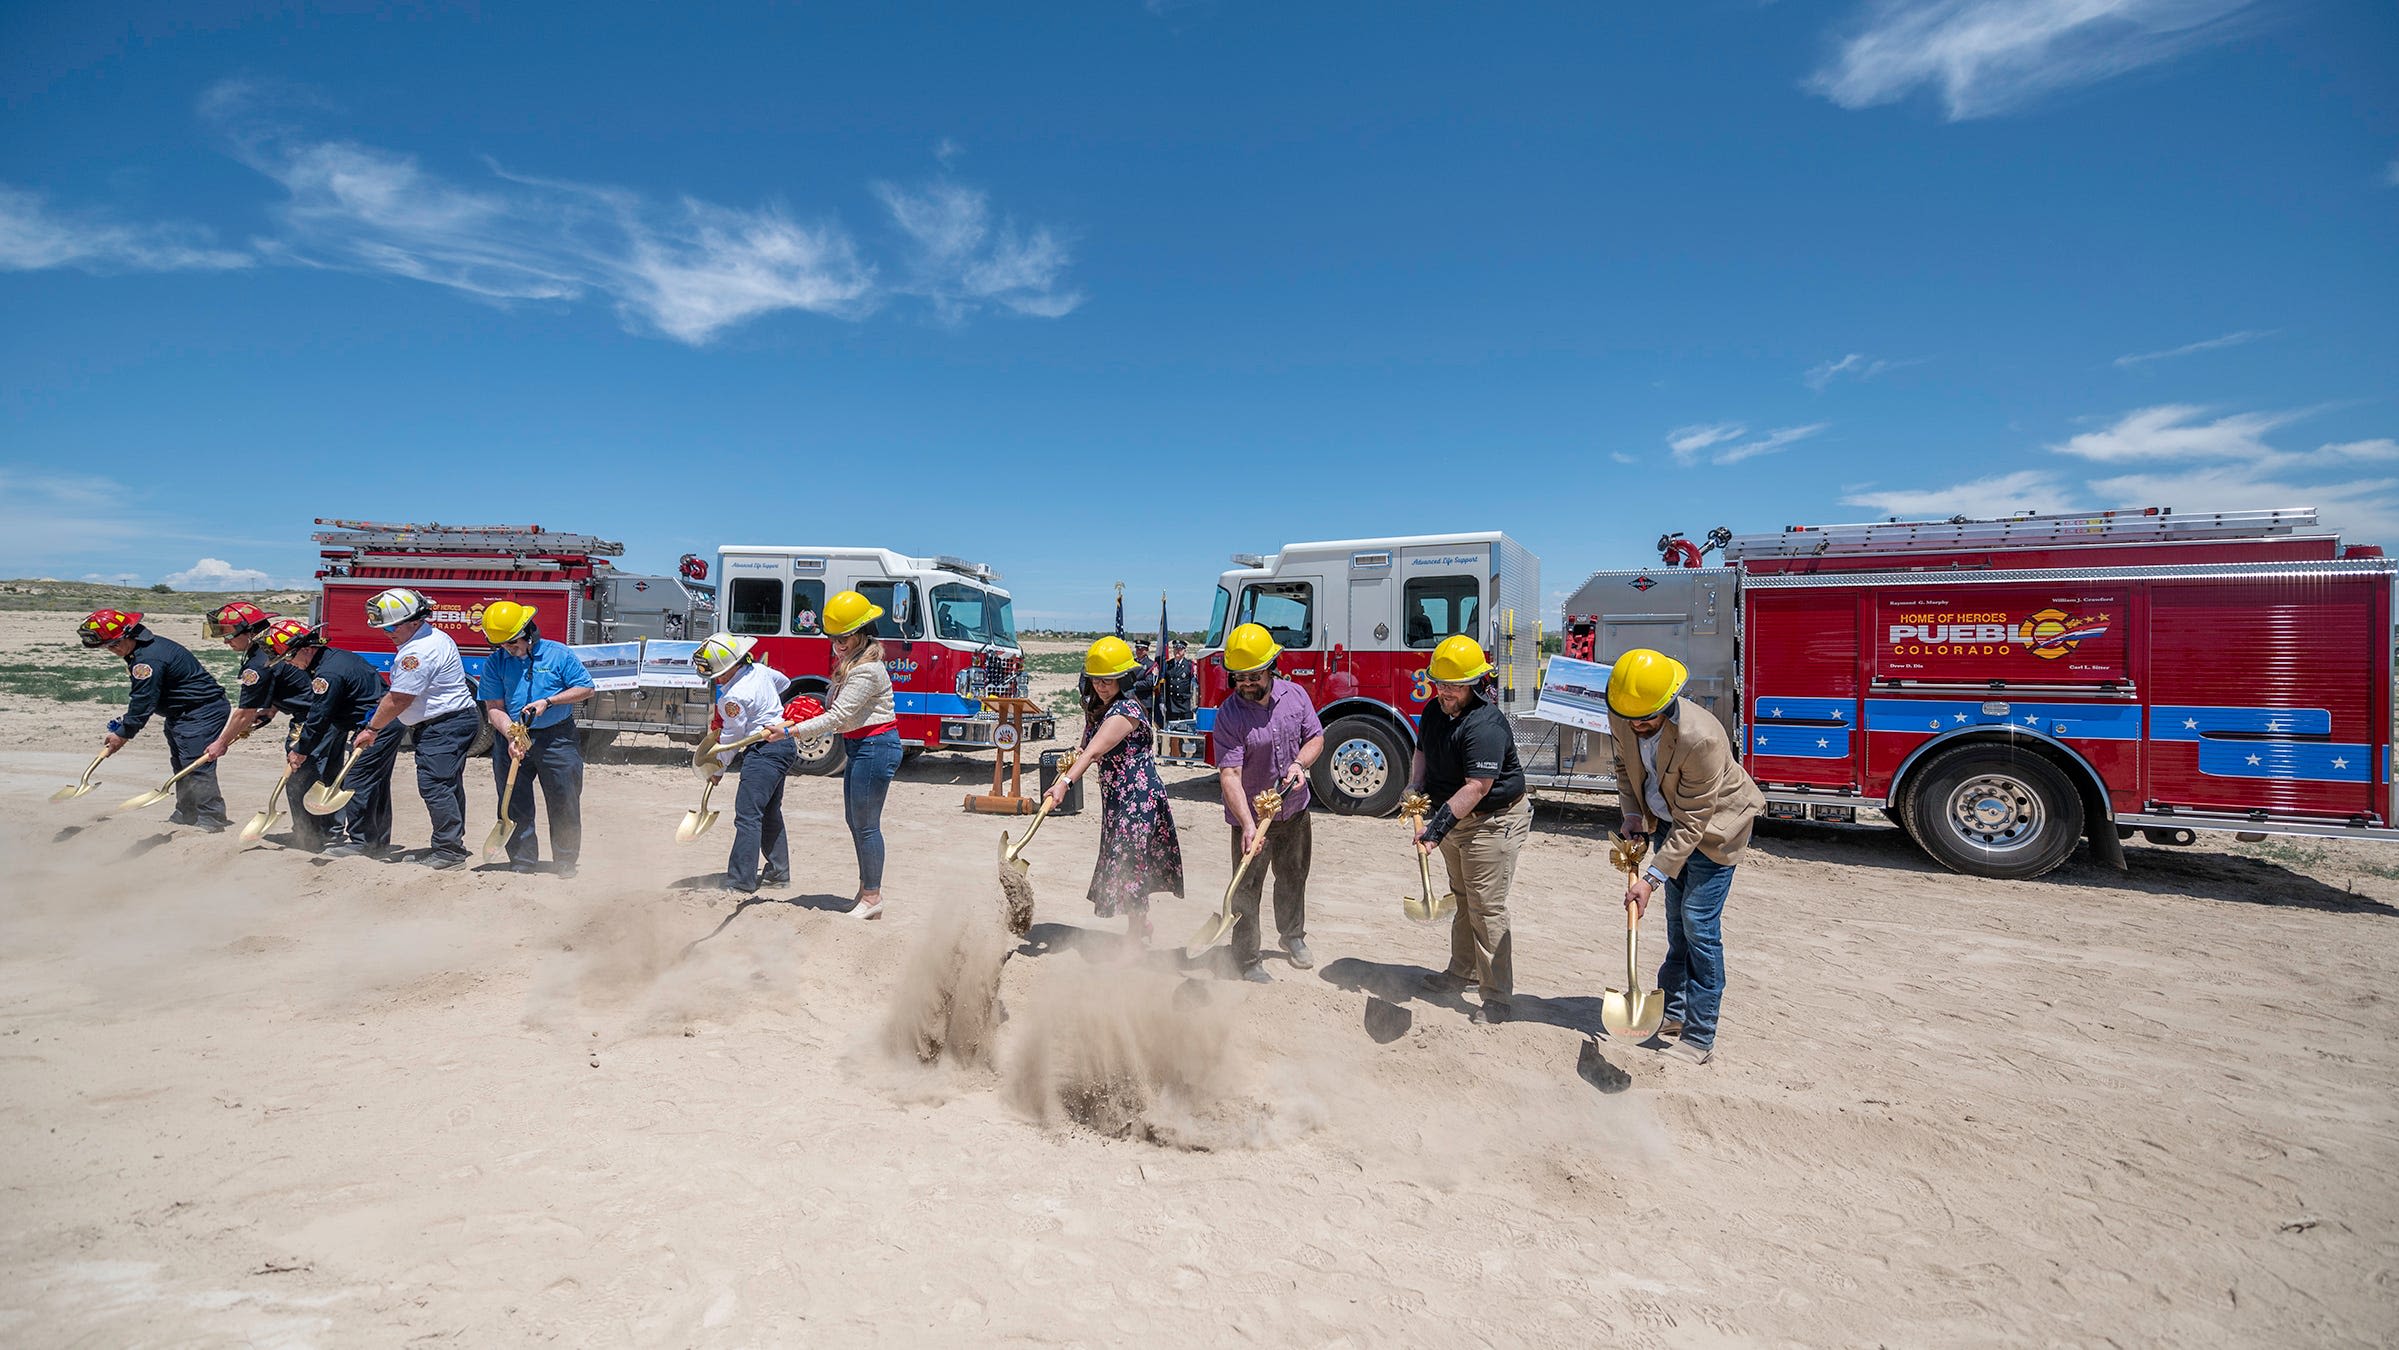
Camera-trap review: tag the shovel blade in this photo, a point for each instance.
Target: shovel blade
(1016, 886)
(142, 799)
(258, 827)
(1633, 1015)
(1415, 907)
(1215, 930)
(498, 838)
(689, 829)
(323, 803)
(72, 791)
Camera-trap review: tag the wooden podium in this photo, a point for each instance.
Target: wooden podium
(1008, 739)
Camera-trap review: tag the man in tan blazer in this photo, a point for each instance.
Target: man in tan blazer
(1681, 786)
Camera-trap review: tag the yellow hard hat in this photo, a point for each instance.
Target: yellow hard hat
(1458, 660)
(846, 611)
(1643, 682)
(1250, 647)
(1108, 658)
(505, 621)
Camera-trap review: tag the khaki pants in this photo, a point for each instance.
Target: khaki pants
(1290, 845)
(1480, 853)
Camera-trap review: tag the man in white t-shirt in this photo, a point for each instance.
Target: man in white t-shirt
(429, 692)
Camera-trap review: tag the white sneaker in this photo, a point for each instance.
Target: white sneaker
(867, 910)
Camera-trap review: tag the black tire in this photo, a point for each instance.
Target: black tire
(1896, 811)
(822, 757)
(1995, 811)
(592, 740)
(481, 745)
(1364, 769)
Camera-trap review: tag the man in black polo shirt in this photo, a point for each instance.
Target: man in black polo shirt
(1466, 762)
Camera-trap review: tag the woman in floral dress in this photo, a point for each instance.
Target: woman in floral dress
(1139, 852)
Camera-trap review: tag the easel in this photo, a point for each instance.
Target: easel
(1008, 738)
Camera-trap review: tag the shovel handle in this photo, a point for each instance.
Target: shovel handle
(1009, 854)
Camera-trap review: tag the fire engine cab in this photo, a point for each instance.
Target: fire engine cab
(948, 632)
(1358, 619)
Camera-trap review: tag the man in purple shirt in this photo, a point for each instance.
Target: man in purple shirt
(1267, 736)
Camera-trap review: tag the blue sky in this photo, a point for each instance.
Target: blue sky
(1101, 292)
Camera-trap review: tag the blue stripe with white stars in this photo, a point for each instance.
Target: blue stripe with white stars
(1793, 727)
(2300, 761)
(2066, 721)
(2174, 722)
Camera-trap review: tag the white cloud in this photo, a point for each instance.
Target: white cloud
(1622, 458)
(1856, 366)
(1984, 498)
(1687, 442)
(2246, 335)
(688, 269)
(1987, 57)
(2174, 432)
(33, 237)
(2365, 509)
(1772, 443)
(2390, 173)
(962, 260)
(216, 574)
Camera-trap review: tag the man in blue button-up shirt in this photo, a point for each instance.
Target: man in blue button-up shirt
(531, 680)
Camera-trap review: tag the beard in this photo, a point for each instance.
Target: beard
(1256, 693)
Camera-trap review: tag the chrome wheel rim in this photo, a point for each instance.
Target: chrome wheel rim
(1359, 768)
(1996, 813)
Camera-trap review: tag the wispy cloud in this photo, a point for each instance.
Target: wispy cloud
(686, 268)
(1983, 498)
(1622, 458)
(2390, 173)
(1987, 57)
(1687, 442)
(2246, 335)
(35, 236)
(2178, 433)
(1855, 366)
(1772, 443)
(963, 260)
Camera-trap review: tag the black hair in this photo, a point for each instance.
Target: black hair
(1093, 709)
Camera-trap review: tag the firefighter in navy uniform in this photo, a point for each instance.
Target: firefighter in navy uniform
(429, 692)
(343, 693)
(170, 682)
(268, 687)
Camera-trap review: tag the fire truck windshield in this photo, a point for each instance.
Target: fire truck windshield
(963, 613)
(1224, 603)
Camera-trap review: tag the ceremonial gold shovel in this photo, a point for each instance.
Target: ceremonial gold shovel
(1016, 879)
(167, 788)
(1263, 806)
(1629, 1012)
(271, 812)
(696, 822)
(498, 838)
(1423, 908)
(81, 785)
(326, 798)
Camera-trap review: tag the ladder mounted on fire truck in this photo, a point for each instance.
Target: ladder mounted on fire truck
(2101, 527)
(517, 540)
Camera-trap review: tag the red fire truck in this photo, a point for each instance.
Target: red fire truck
(582, 596)
(948, 631)
(2001, 689)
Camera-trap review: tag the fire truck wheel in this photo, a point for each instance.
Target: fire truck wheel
(1364, 769)
(483, 735)
(1992, 811)
(822, 757)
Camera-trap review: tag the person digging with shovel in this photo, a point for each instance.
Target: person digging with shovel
(862, 715)
(344, 692)
(1681, 786)
(429, 693)
(1267, 735)
(267, 687)
(749, 701)
(532, 680)
(1140, 854)
(171, 684)
(1466, 763)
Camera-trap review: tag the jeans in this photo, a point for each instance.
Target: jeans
(555, 760)
(441, 746)
(197, 798)
(1289, 848)
(758, 814)
(874, 760)
(1693, 973)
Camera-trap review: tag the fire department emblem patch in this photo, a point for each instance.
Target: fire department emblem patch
(319, 684)
(732, 709)
(408, 663)
(1642, 582)
(142, 672)
(249, 677)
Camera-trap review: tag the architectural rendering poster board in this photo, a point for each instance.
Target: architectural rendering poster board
(1575, 693)
(611, 665)
(667, 665)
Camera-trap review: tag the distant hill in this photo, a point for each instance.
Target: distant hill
(44, 593)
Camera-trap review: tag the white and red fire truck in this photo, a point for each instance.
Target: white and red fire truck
(582, 597)
(948, 631)
(1997, 689)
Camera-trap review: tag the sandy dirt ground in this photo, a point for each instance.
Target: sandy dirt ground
(251, 1097)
